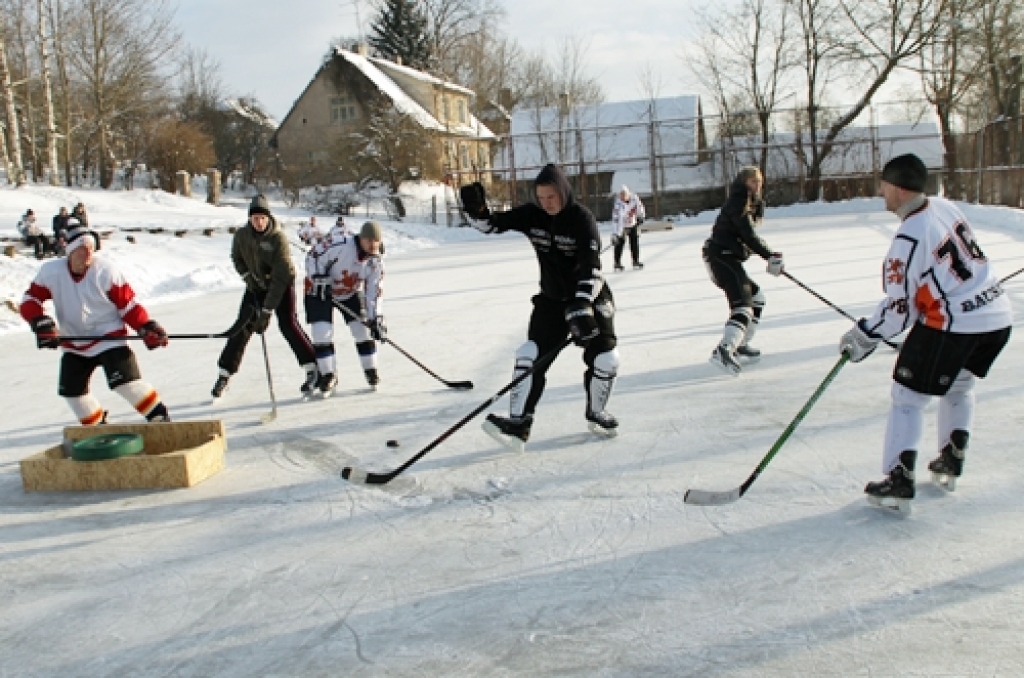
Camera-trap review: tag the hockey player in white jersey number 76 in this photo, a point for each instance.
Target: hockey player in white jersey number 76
(347, 270)
(939, 285)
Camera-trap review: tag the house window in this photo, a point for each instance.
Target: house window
(464, 156)
(481, 156)
(445, 109)
(462, 111)
(343, 109)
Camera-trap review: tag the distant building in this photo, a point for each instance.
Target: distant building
(337, 102)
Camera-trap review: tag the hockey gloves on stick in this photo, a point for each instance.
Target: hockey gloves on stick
(320, 286)
(261, 321)
(378, 330)
(153, 336)
(47, 335)
(474, 201)
(858, 343)
(776, 264)
(582, 324)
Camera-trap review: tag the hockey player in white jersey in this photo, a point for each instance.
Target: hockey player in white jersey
(347, 270)
(627, 215)
(939, 285)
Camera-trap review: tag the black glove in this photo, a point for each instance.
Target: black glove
(153, 336)
(639, 220)
(474, 201)
(321, 287)
(47, 335)
(582, 323)
(261, 320)
(616, 239)
(378, 330)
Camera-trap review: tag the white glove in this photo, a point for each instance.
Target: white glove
(775, 264)
(858, 343)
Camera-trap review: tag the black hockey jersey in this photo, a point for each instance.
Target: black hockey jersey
(733, 231)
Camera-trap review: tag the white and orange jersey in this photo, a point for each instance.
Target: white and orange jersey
(936, 274)
(625, 213)
(99, 303)
(350, 269)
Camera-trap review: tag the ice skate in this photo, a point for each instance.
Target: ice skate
(748, 353)
(725, 359)
(603, 424)
(948, 466)
(619, 267)
(512, 432)
(372, 378)
(326, 384)
(220, 386)
(637, 265)
(308, 387)
(896, 491)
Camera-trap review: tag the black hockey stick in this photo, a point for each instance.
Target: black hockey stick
(711, 498)
(1015, 273)
(272, 415)
(226, 334)
(356, 476)
(893, 345)
(387, 340)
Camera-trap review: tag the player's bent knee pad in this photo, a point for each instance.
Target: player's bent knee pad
(607, 363)
(322, 333)
(360, 332)
(527, 353)
(905, 397)
(366, 347)
(964, 383)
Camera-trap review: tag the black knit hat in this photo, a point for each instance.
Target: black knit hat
(906, 171)
(259, 205)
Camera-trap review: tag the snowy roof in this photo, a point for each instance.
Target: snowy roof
(853, 152)
(405, 104)
(419, 75)
(616, 132)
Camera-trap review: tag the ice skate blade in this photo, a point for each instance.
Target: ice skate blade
(268, 418)
(893, 504)
(602, 431)
(725, 368)
(748, 360)
(511, 442)
(945, 481)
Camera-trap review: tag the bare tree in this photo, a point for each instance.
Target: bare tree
(452, 24)
(51, 124)
(16, 173)
(116, 49)
(57, 20)
(999, 33)
(873, 38)
(17, 12)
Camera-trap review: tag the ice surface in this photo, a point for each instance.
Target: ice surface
(577, 557)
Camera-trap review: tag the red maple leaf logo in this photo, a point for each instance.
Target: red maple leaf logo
(894, 271)
(348, 284)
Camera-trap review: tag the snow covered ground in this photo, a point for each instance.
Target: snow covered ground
(576, 558)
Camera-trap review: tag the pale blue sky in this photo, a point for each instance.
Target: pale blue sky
(271, 49)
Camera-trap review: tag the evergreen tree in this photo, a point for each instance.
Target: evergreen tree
(401, 30)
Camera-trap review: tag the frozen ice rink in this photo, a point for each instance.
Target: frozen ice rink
(577, 557)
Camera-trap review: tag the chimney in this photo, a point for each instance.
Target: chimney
(362, 49)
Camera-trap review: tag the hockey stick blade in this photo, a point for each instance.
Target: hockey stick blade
(709, 498)
(269, 417)
(356, 476)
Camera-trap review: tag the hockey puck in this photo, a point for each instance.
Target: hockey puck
(392, 443)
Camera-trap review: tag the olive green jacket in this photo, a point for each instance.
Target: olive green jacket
(264, 261)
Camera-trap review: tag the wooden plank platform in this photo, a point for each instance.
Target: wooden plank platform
(175, 454)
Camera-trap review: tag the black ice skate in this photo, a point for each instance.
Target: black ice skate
(512, 432)
(749, 353)
(724, 359)
(637, 265)
(948, 466)
(220, 386)
(372, 378)
(603, 423)
(896, 491)
(308, 387)
(618, 267)
(326, 384)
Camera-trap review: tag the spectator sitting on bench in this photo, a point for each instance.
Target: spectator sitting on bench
(33, 235)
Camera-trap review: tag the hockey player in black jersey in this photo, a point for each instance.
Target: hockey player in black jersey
(573, 300)
(732, 240)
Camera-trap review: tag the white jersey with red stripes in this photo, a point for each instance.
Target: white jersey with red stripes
(339, 258)
(936, 274)
(625, 213)
(99, 303)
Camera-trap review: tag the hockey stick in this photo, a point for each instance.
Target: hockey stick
(356, 476)
(893, 345)
(226, 334)
(1015, 273)
(710, 498)
(272, 415)
(387, 340)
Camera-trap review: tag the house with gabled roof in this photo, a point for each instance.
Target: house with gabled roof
(339, 101)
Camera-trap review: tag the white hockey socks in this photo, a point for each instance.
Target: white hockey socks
(905, 424)
(755, 318)
(602, 379)
(525, 357)
(144, 398)
(323, 346)
(956, 408)
(366, 347)
(87, 409)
